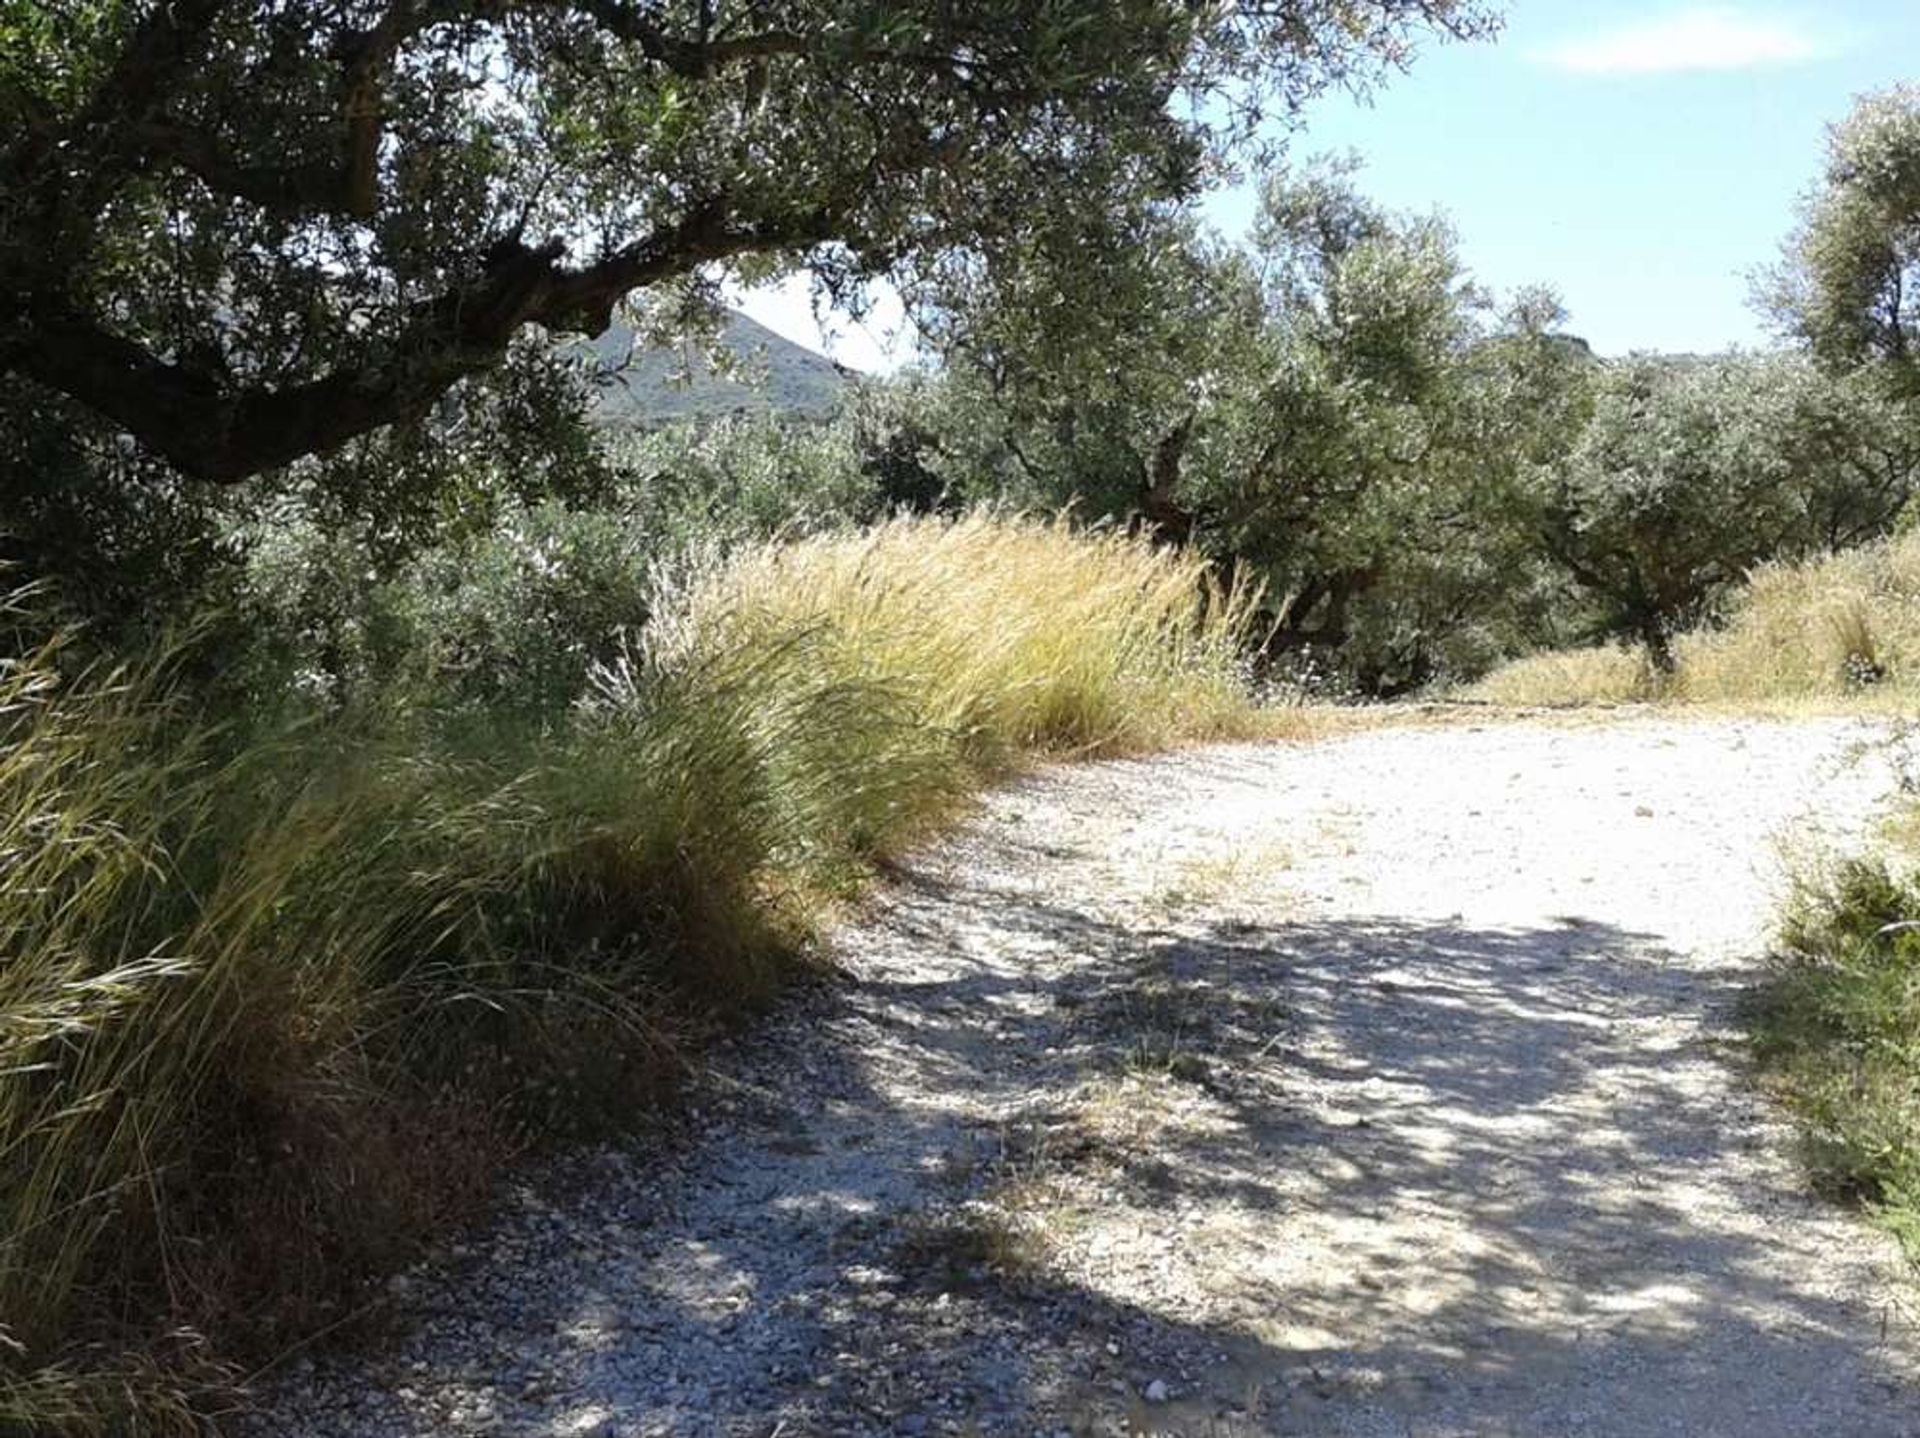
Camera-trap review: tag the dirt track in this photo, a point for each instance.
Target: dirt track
(1386, 1085)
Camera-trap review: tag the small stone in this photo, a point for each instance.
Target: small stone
(1156, 1392)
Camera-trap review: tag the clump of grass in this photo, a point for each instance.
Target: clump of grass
(276, 1001)
(1603, 674)
(999, 1233)
(1011, 634)
(1837, 1032)
(216, 959)
(1841, 630)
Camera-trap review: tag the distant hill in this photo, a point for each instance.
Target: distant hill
(638, 388)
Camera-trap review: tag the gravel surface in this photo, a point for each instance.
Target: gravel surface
(1382, 1086)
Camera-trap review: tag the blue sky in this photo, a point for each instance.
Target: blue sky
(1641, 158)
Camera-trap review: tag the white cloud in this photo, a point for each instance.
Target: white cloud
(1712, 38)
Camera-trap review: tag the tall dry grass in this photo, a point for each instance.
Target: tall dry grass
(199, 940)
(1009, 634)
(1842, 630)
(277, 1001)
(1839, 628)
(1600, 674)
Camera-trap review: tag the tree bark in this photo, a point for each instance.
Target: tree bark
(1657, 642)
(1158, 507)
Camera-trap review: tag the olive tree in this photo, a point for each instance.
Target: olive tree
(247, 231)
(1106, 368)
(1849, 281)
(1692, 471)
(1379, 454)
(1348, 443)
(1302, 407)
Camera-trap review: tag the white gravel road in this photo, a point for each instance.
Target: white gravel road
(1387, 1085)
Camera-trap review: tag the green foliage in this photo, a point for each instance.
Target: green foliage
(1844, 286)
(128, 546)
(516, 436)
(1424, 484)
(511, 621)
(1691, 472)
(1101, 367)
(1379, 421)
(751, 478)
(1297, 410)
(1837, 630)
(511, 618)
(901, 432)
(1837, 1031)
(109, 536)
(350, 222)
(1662, 504)
(298, 255)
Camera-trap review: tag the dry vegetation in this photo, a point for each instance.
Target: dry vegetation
(275, 1006)
(1837, 1031)
(1839, 631)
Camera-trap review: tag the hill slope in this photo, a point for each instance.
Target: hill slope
(643, 388)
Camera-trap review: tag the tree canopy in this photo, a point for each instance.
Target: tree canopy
(1297, 407)
(245, 231)
(1849, 284)
(1692, 471)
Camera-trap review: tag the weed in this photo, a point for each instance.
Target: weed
(1214, 878)
(1837, 1034)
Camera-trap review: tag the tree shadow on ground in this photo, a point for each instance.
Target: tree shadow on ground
(1358, 1177)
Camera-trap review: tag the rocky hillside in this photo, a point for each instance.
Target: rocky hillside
(645, 387)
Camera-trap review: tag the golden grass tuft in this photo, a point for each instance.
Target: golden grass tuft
(1009, 634)
(1841, 628)
(1841, 631)
(1603, 674)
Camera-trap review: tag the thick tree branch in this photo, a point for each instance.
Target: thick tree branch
(214, 430)
(694, 59)
(133, 111)
(73, 169)
(1158, 505)
(348, 184)
(704, 56)
(133, 121)
(161, 50)
(281, 189)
